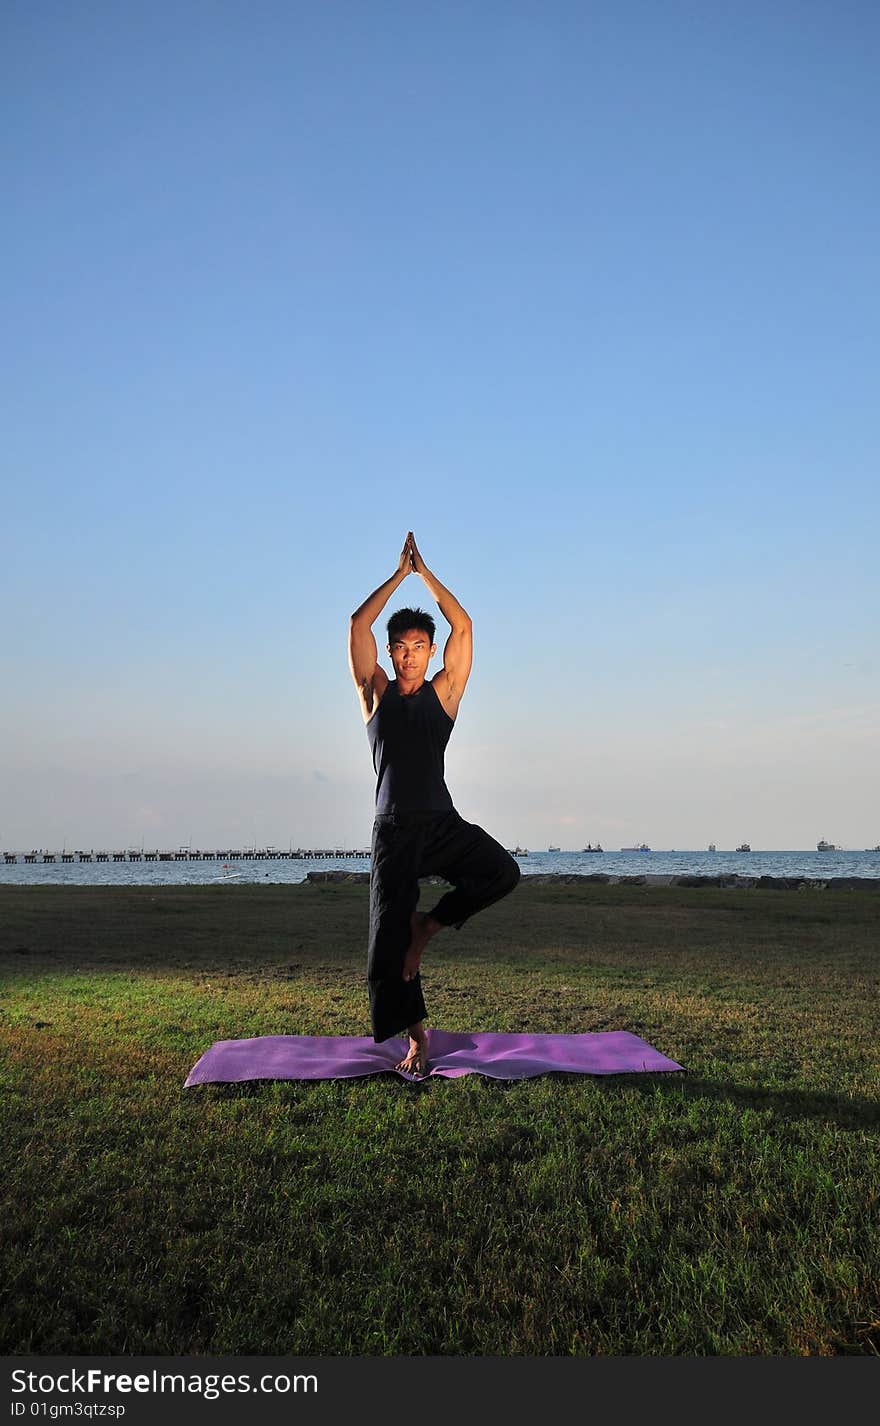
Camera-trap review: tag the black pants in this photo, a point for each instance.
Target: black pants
(407, 845)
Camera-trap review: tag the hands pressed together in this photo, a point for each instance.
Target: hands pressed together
(410, 561)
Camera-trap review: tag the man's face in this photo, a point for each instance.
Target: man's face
(410, 653)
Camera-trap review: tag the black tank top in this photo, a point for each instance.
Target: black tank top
(408, 734)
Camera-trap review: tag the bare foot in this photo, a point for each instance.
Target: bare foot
(423, 928)
(415, 1061)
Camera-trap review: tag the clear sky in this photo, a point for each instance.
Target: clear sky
(585, 294)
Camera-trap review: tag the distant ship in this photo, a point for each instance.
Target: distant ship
(712, 847)
(590, 848)
(520, 851)
(553, 849)
(643, 848)
(823, 846)
(744, 847)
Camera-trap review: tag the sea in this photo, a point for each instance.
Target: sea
(813, 865)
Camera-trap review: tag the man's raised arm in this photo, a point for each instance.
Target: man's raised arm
(459, 651)
(362, 651)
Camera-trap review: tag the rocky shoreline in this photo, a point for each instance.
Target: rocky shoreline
(772, 883)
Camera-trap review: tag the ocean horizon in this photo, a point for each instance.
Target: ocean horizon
(811, 865)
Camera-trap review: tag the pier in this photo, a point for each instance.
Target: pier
(189, 854)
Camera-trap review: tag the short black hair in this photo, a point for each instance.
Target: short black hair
(403, 619)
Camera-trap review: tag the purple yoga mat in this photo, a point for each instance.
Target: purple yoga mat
(450, 1054)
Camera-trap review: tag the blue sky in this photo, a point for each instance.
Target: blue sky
(584, 294)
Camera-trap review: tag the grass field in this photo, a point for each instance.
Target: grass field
(729, 1210)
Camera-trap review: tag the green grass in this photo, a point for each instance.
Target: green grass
(731, 1210)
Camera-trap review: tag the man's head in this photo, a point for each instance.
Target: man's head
(411, 643)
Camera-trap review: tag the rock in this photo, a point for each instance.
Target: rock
(854, 883)
(337, 876)
(765, 883)
(364, 876)
(561, 878)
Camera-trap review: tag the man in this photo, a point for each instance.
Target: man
(417, 831)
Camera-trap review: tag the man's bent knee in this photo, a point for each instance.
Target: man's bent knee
(510, 876)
